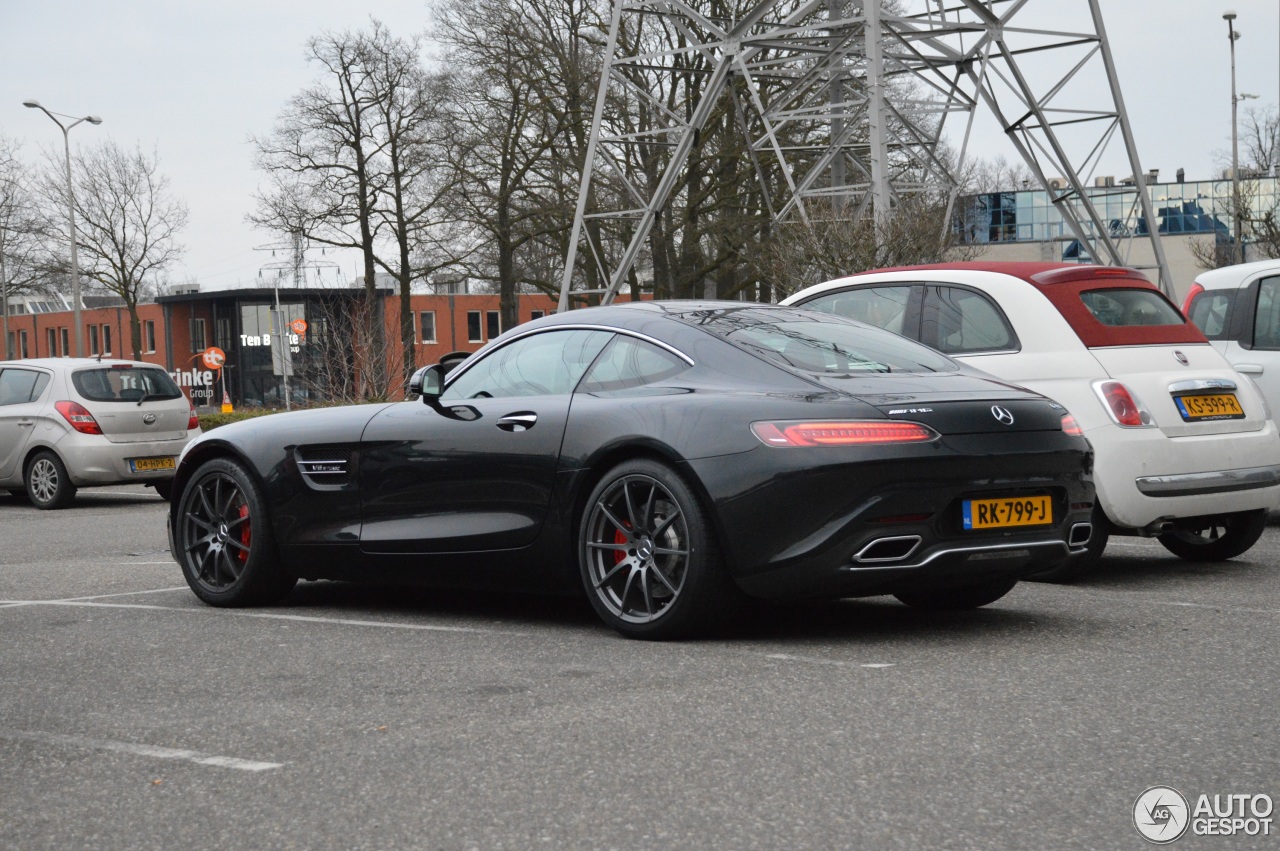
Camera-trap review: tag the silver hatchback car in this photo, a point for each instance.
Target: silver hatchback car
(68, 423)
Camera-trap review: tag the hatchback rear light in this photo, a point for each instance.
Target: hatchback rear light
(78, 416)
(193, 421)
(1122, 405)
(841, 433)
(1071, 427)
(1195, 290)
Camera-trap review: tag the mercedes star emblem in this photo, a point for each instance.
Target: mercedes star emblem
(1002, 415)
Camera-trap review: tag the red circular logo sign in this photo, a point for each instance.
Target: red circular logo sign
(299, 326)
(213, 358)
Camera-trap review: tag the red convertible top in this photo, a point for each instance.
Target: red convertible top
(1063, 283)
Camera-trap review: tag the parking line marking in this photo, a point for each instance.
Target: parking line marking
(262, 615)
(1221, 608)
(121, 594)
(787, 657)
(140, 750)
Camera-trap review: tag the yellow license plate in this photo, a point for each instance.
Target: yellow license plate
(1002, 513)
(146, 465)
(1218, 406)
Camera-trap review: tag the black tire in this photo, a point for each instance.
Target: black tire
(649, 559)
(223, 539)
(164, 489)
(1216, 537)
(963, 597)
(1081, 565)
(48, 484)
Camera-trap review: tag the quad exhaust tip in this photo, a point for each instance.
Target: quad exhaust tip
(884, 550)
(1080, 534)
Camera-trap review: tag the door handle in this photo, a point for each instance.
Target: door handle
(26, 423)
(522, 421)
(1249, 368)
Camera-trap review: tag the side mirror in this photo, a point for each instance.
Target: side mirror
(428, 382)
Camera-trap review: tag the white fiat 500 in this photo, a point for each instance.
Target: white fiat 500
(1185, 446)
(68, 423)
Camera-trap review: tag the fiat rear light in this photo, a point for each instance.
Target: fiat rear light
(841, 433)
(1071, 427)
(78, 417)
(1195, 290)
(193, 422)
(1122, 405)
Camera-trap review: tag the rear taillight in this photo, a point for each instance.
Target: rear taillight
(1195, 290)
(841, 433)
(79, 418)
(1071, 427)
(1122, 405)
(192, 420)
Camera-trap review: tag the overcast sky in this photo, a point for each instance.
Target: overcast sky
(194, 80)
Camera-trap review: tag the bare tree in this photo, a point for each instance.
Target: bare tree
(21, 270)
(1260, 226)
(127, 221)
(998, 174)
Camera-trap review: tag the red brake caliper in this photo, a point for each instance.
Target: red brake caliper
(619, 538)
(246, 534)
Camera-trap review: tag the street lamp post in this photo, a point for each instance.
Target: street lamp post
(71, 212)
(1237, 217)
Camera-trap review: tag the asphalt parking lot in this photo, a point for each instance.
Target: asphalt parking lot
(133, 716)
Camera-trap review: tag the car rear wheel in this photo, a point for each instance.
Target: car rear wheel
(48, 485)
(964, 597)
(1217, 537)
(1082, 564)
(223, 538)
(649, 559)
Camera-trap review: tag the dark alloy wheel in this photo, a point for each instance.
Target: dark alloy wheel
(1082, 564)
(48, 485)
(649, 560)
(224, 539)
(964, 597)
(1216, 537)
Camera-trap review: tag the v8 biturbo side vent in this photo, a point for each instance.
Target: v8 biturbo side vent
(324, 466)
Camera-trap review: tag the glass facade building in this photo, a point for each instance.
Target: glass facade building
(1200, 207)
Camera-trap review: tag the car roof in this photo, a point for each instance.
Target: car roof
(72, 363)
(1062, 284)
(1234, 276)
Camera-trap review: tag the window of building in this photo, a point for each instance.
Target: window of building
(222, 331)
(66, 345)
(493, 324)
(427, 324)
(537, 314)
(149, 337)
(473, 327)
(21, 348)
(51, 342)
(93, 340)
(106, 339)
(197, 336)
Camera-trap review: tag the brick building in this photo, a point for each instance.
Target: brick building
(178, 328)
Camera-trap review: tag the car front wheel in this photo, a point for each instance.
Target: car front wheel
(1217, 537)
(223, 538)
(649, 559)
(48, 485)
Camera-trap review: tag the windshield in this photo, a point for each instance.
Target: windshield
(124, 384)
(820, 343)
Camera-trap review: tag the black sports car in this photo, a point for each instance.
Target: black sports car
(670, 458)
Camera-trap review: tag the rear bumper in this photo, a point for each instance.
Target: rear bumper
(1221, 481)
(92, 460)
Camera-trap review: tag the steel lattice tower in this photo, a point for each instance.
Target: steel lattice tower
(846, 102)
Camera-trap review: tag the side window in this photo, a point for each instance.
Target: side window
(959, 321)
(545, 364)
(21, 385)
(628, 362)
(1211, 313)
(1266, 322)
(883, 307)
